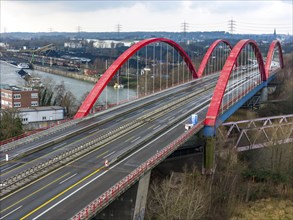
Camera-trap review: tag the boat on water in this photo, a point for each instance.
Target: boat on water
(23, 74)
(118, 86)
(35, 82)
(23, 66)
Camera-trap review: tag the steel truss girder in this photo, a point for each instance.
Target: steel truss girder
(260, 132)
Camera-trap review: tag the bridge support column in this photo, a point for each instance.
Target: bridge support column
(141, 197)
(264, 95)
(209, 150)
(130, 205)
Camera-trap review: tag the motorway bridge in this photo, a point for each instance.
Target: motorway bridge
(77, 168)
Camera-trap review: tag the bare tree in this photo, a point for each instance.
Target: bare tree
(46, 92)
(181, 196)
(58, 95)
(70, 103)
(11, 124)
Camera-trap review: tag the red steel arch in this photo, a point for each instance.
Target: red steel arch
(271, 54)
(208, 55)
(219, 91)
(110, 72)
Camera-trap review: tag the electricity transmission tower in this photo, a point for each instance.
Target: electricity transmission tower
(184, 27)
(231, 25)
(118, 28)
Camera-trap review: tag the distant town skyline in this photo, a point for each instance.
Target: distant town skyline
(244, 17)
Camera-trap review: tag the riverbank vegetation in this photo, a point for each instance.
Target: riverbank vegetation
(56, 94)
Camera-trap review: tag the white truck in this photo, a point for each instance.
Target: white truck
(191, 121)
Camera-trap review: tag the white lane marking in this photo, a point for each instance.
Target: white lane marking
(11, 212)
(171, 118)
(89, 182)
(67, 178)
(12, 155)
(119, 119)
(9, 167)
(135, 139)
(93, 131)
(156, 127)
(152, 126)
(109, 154)
(53, 206)
(59, 145)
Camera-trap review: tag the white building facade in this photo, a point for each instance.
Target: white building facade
(112, 43)
(41, 114)
(73, 45)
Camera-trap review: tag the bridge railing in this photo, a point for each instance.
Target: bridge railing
(36, 135)
(29, 133)
(102, 201)
(269, 135)
(259, 132)
(66, 156)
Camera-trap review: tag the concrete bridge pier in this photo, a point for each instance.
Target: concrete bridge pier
(130, 205)
(209, 149)
(264, 95)
(141, 197)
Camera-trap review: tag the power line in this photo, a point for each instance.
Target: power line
(261, 24)
(200, 24)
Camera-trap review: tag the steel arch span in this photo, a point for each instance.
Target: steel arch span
(219, 91)
(110, 72)
(208, 55)
(270, 55)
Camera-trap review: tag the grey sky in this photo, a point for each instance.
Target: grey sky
(260, 16)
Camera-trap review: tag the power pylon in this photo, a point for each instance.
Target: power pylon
(118, 28)
(184, 27)
(231, 25)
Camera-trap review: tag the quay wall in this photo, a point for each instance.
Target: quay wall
(69, 74)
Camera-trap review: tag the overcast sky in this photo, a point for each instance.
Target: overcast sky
(259, 16)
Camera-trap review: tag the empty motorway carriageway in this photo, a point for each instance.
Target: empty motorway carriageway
(75, 169)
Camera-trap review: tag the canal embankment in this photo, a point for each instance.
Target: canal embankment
(69, 74)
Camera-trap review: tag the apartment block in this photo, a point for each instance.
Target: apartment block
(18, 97)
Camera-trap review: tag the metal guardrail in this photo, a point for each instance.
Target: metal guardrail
(116, 190)
(49, 165)
(52, 163)
(36, 136)
(64, 157)
(26, 134)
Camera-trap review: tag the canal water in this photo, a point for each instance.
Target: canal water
(8, 75)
